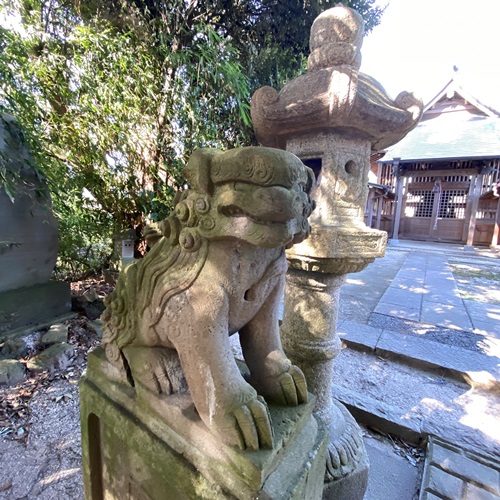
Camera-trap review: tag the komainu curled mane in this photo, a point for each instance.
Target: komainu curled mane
(217, 267)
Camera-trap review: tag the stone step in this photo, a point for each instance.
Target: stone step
(415, 403)
(451, 472)
(478, 365)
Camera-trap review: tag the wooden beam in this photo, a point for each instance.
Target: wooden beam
(398, 200)
(444, 185)
(495, 240)
(475, 202)
(380, 203)
(468, 208)
(370, 209)
(441, 173)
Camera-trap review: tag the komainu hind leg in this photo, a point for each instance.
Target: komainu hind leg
(156, 369)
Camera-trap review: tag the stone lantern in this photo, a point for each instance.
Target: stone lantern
(332, 118)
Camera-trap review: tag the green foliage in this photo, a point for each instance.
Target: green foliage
(114, 95)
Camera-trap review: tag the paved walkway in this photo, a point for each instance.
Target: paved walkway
(424, 290)
(407, 307)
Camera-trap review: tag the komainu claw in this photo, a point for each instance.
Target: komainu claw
(294, 387)
(248, 427)
(300, 383)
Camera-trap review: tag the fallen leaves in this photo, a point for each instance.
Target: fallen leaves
(15, 401)
(5, 487)
(14, 407)
(413, 454)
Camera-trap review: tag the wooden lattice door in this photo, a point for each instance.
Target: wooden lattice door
(433, 213)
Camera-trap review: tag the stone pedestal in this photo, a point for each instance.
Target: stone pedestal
(161, 449)
(309, 338)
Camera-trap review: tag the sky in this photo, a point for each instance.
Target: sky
(418, 42)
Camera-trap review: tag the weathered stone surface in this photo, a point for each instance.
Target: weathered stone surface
(380, 415)
(33, 304)
(454, 472)
(11, 372)
(55, 334)
(91, 309)
(363, 337)
(172, 454)
(473, 367)
(216, 267)
(91, 295)
(444, 484)
(29, 239)
(333, 94)
(391, 477)
(352, 485)
(96, 327)
(35, 328)
(28, 229)
(55, 357)
(340, 242)
(308, 340)
(451, 459)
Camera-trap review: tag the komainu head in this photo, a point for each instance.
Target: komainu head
(259, 195)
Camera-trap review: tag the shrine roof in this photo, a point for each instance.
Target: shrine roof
(454, 126)
(477, 137)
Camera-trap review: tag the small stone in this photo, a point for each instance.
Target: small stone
(96, 327)
(55, 357)
(18, 345)
(11, 372)
(14, 348)
(91, 295)
(110, 277)
(56, 334)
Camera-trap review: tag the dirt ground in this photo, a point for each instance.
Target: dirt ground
(40, 450)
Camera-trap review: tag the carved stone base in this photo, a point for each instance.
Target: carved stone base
(351, 487)
(130, 451)
(347, 464)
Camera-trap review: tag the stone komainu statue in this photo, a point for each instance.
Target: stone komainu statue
(216, 267)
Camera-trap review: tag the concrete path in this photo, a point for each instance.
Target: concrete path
(423, 363)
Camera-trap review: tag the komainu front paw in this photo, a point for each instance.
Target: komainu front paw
(156, 369)
(287, 389)
(247, 427)
(293, 386)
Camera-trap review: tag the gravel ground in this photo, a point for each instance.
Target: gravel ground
(46, 465)
(40, 447)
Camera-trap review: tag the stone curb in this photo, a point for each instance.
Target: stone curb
(487, 256)
(476, 369)
(380, 416)
(28, 329)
